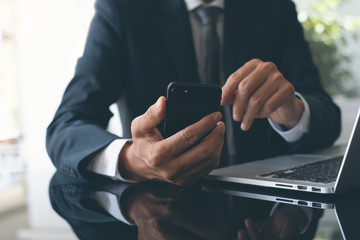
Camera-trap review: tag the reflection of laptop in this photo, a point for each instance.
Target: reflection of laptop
(283, 171)
(292, 199)
(346, 207)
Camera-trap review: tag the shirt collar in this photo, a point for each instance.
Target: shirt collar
(192, 4)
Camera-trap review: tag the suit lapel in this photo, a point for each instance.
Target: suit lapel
(178, 37)
(237, 19)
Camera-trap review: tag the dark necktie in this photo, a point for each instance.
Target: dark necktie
(209, 67)
(209, 44)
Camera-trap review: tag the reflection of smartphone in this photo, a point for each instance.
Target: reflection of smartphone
(187, 103)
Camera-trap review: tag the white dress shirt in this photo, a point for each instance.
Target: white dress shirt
(106, 161)
(110, 201)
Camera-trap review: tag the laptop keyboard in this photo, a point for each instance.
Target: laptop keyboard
(325, 171)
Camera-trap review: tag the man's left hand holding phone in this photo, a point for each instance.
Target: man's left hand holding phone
(182, 158)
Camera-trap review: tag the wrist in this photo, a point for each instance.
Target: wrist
(293, 119)
(125, 162)
(299, 109)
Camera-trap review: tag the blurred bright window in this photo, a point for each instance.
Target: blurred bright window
(40, 41)
(9, 126)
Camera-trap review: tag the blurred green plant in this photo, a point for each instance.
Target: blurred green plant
(328, 34)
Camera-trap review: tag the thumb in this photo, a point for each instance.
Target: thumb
(150, 119)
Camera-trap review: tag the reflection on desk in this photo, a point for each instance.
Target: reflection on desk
(154, 210)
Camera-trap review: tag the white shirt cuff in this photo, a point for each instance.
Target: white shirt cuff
(303, 126)
(106, 162)
(110, 203)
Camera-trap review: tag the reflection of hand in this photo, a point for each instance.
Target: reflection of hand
(180, 159)
(259, 90)
(162, 212)
(287, 223)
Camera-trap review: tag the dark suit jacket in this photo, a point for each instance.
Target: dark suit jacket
(75, 202)
(136, 47)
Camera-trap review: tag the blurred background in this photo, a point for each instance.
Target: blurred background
(40, 41)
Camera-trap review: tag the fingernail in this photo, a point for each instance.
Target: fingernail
(221, 123)
(243, 126)
(236, 117)
(216, 117)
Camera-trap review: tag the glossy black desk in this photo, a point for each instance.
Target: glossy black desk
(114, 210)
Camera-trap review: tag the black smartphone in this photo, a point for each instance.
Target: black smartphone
(187, 103)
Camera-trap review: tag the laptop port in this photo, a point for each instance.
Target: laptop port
(303, 203)
(284, 200)
(302, 187)
(315, 189)
(317, 205)
(283, 185)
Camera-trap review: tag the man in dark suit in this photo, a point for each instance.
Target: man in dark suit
(275, 100)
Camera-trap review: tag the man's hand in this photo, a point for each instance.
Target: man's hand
(165, 212)
(259, 90)
(182, 158)
(287, 223)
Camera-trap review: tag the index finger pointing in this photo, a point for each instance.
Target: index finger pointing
(232, 83)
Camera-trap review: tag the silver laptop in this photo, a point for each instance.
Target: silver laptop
(328, 172)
